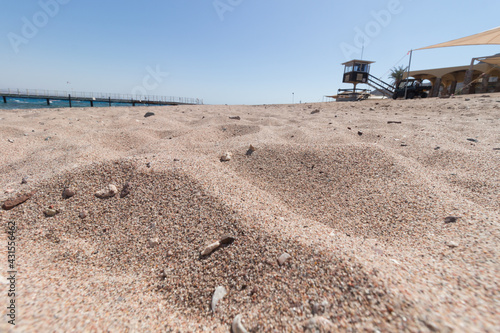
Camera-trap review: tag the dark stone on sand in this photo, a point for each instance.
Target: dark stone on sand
(360, 133)
(315, 111)
(24, 180)
(451, 219)
(393, 122)
(227, 239)
(250, 150)
(83, 214)
(472, 140)
(437, 148)
(496, 148)
(149, 114)
(11, 203)
(235, 118)
(125, 190)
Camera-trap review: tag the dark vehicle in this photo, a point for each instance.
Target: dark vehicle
(413, 89)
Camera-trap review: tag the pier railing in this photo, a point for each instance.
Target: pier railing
(77, 95)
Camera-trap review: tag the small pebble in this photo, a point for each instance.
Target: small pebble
(10, 140)
(235, 118)
(24, 180)
(49, 212)
(153, 242)
(226, 157)
(107, 192)
(83, 214)
(68, 193)
(450, 219)
(452, 244)
(125, 190)
(210, 248)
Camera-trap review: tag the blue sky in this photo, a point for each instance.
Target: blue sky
(227, 51)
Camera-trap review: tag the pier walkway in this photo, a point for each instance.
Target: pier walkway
(91, 97)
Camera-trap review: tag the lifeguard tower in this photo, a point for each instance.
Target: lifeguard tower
(356, 72)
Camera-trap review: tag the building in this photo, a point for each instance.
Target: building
(482, 77)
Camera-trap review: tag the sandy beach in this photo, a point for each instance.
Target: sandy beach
(376, 216)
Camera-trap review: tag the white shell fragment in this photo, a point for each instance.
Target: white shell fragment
(284, 257)
(237, 326)
(219, 293)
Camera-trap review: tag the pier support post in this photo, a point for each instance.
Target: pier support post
(110, 102)
(69, 99)
(133, 103)
(4, 99)
(48, 101)
(91, 103)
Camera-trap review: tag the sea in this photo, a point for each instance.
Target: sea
(32, 103)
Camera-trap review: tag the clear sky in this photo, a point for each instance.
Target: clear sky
(227, 51)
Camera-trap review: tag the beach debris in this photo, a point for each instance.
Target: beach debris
(372, 109)
(250, 150)
(226, 239)
(496, 148)
(451, 219)
(11, 203)
(393, 122)
(235, 118)
(107, 192)
(226, 157)
(83, 214)
(319, 324)
(452, 244)
(467, 99)
(49, 212)
(219, 293)
(47, 138)
(210, 248)
(10, 140)
(148, 165)
(24, 180)
(149, 114)
(282, 258)
(125, 190)
(153, 242)
(315, 111)
(472, 140)
(437, 148)
(360, 133)
(237, 326)
(68, 192)
(403, 144)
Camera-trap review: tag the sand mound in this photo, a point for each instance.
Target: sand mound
(115, 237)
(356, 189)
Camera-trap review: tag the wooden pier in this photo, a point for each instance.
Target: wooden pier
(92, 97)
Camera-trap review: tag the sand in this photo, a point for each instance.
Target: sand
(356, 193)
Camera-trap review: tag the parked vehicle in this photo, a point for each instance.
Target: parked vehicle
(413, 88)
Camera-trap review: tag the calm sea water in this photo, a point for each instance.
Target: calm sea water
(28, 103)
